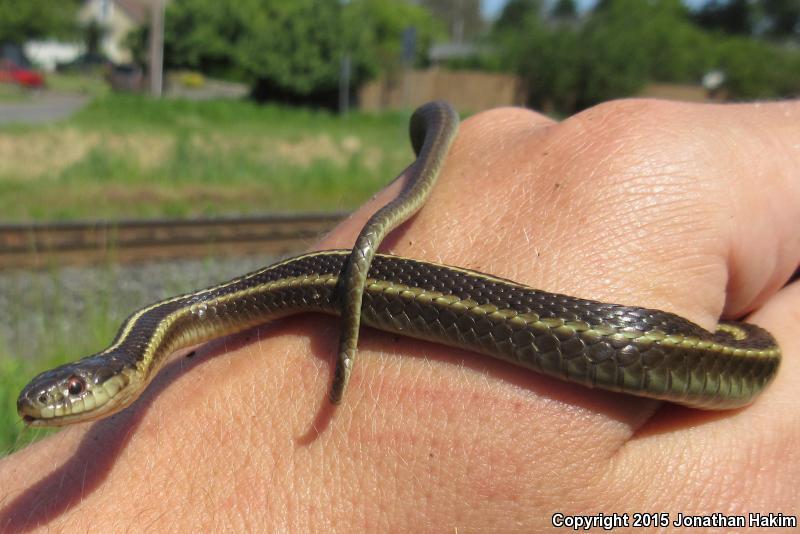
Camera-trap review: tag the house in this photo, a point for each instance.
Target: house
(117, 18)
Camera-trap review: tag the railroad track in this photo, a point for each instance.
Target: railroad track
(43, 244)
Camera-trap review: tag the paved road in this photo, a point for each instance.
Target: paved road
(46, 106)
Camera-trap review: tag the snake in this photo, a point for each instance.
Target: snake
(633, 350)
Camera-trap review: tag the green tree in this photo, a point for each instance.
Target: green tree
(774, 18)
(33, 19)
(297, 48)
(515, 15)
(375, 32)
(292, 48)
(205, 35)
(629, 42)
(729, 16)
(569, 63)
(615, 62)
(545, 54)
(564, 10)
(756, 69)
(462, 17)
(291, 51)
(783, 17)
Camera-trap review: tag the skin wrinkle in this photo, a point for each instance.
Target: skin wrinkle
(668, 464)
(782, 173)
(647, 179)
(761, 448)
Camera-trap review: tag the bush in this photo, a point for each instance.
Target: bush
(289, 51)
(568, 64)
(758, 70)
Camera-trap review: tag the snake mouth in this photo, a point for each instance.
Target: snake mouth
(40, 419)
(99, 401)
(34, 421)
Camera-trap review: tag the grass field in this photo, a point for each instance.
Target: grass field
(10, 93)
(58, 315)
(14, 374)
(131, 156)
(58, 326)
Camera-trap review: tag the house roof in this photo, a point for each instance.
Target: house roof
(137, 10)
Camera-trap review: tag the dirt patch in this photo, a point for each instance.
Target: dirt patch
(35, 154)
(188, 194)
(320, 147)
(225, 144)
(39, 154)
(149, 151)
(302, 153)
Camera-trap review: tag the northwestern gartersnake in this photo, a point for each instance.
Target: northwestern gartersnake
(644, 352)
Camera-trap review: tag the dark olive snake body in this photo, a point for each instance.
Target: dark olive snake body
(644, 352)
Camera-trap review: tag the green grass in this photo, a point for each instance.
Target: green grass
(55, 333)
(59, 315)
(132, 156)
(93, 85)
(14, 374)
(54, 347)
(10, 93)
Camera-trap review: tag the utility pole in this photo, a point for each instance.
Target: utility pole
(408, 55)
(156, 47)
(344, 84)
(345, 67)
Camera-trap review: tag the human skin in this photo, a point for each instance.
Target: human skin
(693, 209)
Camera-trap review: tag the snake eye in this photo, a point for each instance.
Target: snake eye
(76, 385)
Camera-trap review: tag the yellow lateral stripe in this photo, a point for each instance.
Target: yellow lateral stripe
(462, 305)
(129, 325)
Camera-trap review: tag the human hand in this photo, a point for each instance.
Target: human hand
(693, 209)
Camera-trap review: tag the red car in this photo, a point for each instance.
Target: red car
(10, 72)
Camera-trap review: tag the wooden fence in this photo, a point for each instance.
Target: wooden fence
(472, 91)
(466, 90)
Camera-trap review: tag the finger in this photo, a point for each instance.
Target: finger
(761, 183)
(781, 315)
(751, 449)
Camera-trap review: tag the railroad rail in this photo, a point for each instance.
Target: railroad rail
(43, 244)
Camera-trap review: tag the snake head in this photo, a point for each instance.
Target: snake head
(81, 391)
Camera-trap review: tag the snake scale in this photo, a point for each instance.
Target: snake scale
(644, 352)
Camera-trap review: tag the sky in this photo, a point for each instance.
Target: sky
(492, 8)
